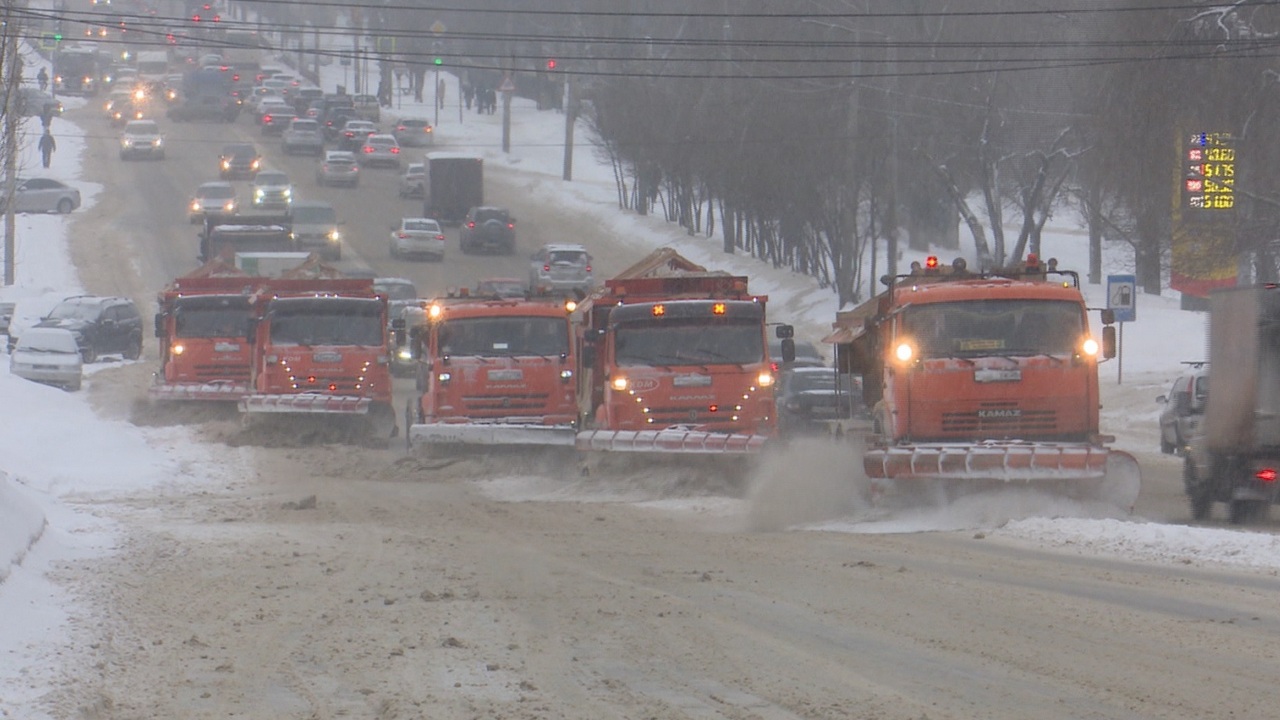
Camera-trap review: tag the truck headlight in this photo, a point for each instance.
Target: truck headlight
(444, 377)
(1090, 347)
(765, 379)
(619, 383)
(404, 353)
(334, 236)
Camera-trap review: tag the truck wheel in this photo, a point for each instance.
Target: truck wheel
(1243, 511)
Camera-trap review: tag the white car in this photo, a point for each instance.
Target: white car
(50, 356)
(141, 138)
(417, 236)
(212, 200)
(379, 149)
(272, 190)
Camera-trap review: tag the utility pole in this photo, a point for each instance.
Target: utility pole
(11, 75)
(569, 117)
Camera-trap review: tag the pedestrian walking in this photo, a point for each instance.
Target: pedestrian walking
(491, 96)
(47, 146)
(468, 93)
(440, 93)
(46, 116)
(43, 79)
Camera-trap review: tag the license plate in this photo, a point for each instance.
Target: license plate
(691, 380)
(988, 375)
(506, 375)
(327, 357)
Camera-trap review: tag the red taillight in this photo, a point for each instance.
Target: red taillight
(511, 226)
(546, 268)
(1266, 475)
(439, 237)
(588, 268)
(266, 119)
(402, 235)
(350, 134)
(395, 151)
(224, 68)
(235, 77)
(471, 224)
(401, 128)
(367, 149)
(713, 408)
(773, 366)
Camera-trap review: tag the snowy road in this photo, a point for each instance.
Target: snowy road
(337, 581)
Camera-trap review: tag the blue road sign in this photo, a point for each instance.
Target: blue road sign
(1122, 297)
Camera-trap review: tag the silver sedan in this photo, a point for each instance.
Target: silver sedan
(44, 195)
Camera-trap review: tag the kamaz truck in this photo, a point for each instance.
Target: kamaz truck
(983, 380)
(1233, 457)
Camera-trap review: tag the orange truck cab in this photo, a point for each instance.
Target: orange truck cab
(320, 346)
(675, 364)
(980, 375)
(494, 372)
(201, 325)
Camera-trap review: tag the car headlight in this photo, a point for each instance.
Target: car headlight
(334, 236)
(226, 164)
(230, 206)
(259, 193)
(126, 142)
(195, 206)
(288, 192)
(159, 142)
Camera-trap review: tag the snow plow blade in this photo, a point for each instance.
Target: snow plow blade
(491, 434)
(670, 440)
(306, 403)
(1074, 470)
(206, 392)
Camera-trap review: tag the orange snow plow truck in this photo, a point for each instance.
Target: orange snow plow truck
(494, 372)
(674, 360)
(201, 323)
(319, 346)
(984, 379)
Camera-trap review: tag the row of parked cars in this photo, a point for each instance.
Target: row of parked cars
(79, 330)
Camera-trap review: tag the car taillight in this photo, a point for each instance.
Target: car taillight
(367, 149)
(511, 226)
(588, 268)
(402, 235)
(266, 119)
(1266, 475)
(471, 224)
(546, 268)
(401, 128)
(395, 151)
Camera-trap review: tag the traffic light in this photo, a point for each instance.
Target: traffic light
(551, 63)
(438, 61)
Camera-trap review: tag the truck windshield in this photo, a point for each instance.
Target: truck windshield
(979, 328)
(211, 322)
(689, 343)
(504, 337)
(327, 323)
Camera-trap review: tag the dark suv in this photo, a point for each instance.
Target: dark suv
(488, 229)
(102, 325)
(239, 160)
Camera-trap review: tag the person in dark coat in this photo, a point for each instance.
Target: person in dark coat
(47, 146)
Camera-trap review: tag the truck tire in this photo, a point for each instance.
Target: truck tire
(1243, 511)
(1200, 497)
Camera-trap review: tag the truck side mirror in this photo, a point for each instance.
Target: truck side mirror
(1109, 342)
(788, 350)
(784, 332)
(159, 325)
(1108, 316)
